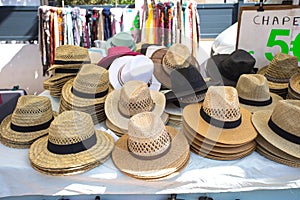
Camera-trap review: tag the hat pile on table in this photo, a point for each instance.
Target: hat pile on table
(294, 87)
(73, 146)
(219, 128)
(87, 92)
(67, 63)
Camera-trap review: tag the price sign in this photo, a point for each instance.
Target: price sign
(265, 33)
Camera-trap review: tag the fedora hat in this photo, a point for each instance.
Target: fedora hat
(229, 67)
(219, 118)
(29, 121)
(254, 94)
(150, 149)
(280, 70)
(134, 97)
(281, 127)
(121, 39)
(128, 68)
(72, 143)
(115, 52)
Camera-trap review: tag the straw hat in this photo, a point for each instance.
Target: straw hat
(73, 143)
(294, 87)
(220, 118)
(227, 68)
(280, 70)
(29, 121)
(121, 39)
(134, 97)
(281, 128)
(115, 52)
(150, 149)
(128, 68)
(254, 94)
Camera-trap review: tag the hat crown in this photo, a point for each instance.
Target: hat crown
(71, 127)
(32, 110)
(253, 87)
(117, 50)
(71, 53)
(122, 39)
(221, 103)
(147, 135)
(286, 115)
(91, 79)
(177, 56)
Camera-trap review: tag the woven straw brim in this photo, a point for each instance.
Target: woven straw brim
(66, 66)
(260, 121)
(175, 118)
(272, 85)
(172, 109)
(162, 166)
(58, 79)
(292, 95)
(295, 83)
(275, 99)
(242, 134)
(40, 156)
(72, 99)
(112, 110)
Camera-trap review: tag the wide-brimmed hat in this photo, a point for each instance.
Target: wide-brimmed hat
(229, 67)
(29, 121)
(121, 39)
(294, 87)
(150, 149)
(129, 68)
(115, 52)
(134, 97)
(72, 143)
(281, 127)
(280, 70)
(220, 118)
(254, 94)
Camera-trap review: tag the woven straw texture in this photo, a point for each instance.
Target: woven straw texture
(295, 84)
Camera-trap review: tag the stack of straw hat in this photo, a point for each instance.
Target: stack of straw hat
(87, 92)
(150, 150)
(279, 72)
(67, 63)
(134, 97)
(73, 146)
(218, 128)
(294, 87)
(279, 132)
(29, 121)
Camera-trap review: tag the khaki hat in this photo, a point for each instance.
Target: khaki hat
(29, 121)
(281, 127)
(294, 87)
(134, 97)
(254, 94)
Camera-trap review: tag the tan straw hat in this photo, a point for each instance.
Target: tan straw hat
(134, 97)
(254, 94)
(150, 149)
(72, 143)
(281, 128)
(294, 86)
(29, 121)
(220, 118)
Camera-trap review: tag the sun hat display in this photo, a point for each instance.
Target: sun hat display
(150, 150)
(128, 68)
(72, 146)
(294, 87)
(254, 94)
(281, 127)
(227, 68)
(114, 53)
(134, 97)
(121, 39)
(29, 121)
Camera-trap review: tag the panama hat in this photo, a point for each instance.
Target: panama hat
(121, 39)
(227, 68)
(254, 94)
(220, 118)
(150, 149)
(281, 127)
(128, 68)
(29, 121)
(115, 52)
(72, 143)
(134, 97)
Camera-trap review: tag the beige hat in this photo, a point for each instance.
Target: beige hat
(150, 149)
(29, 121)
(134, 97)
(281, 128)
(294, 87)
(220, 118)
(254, 94)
